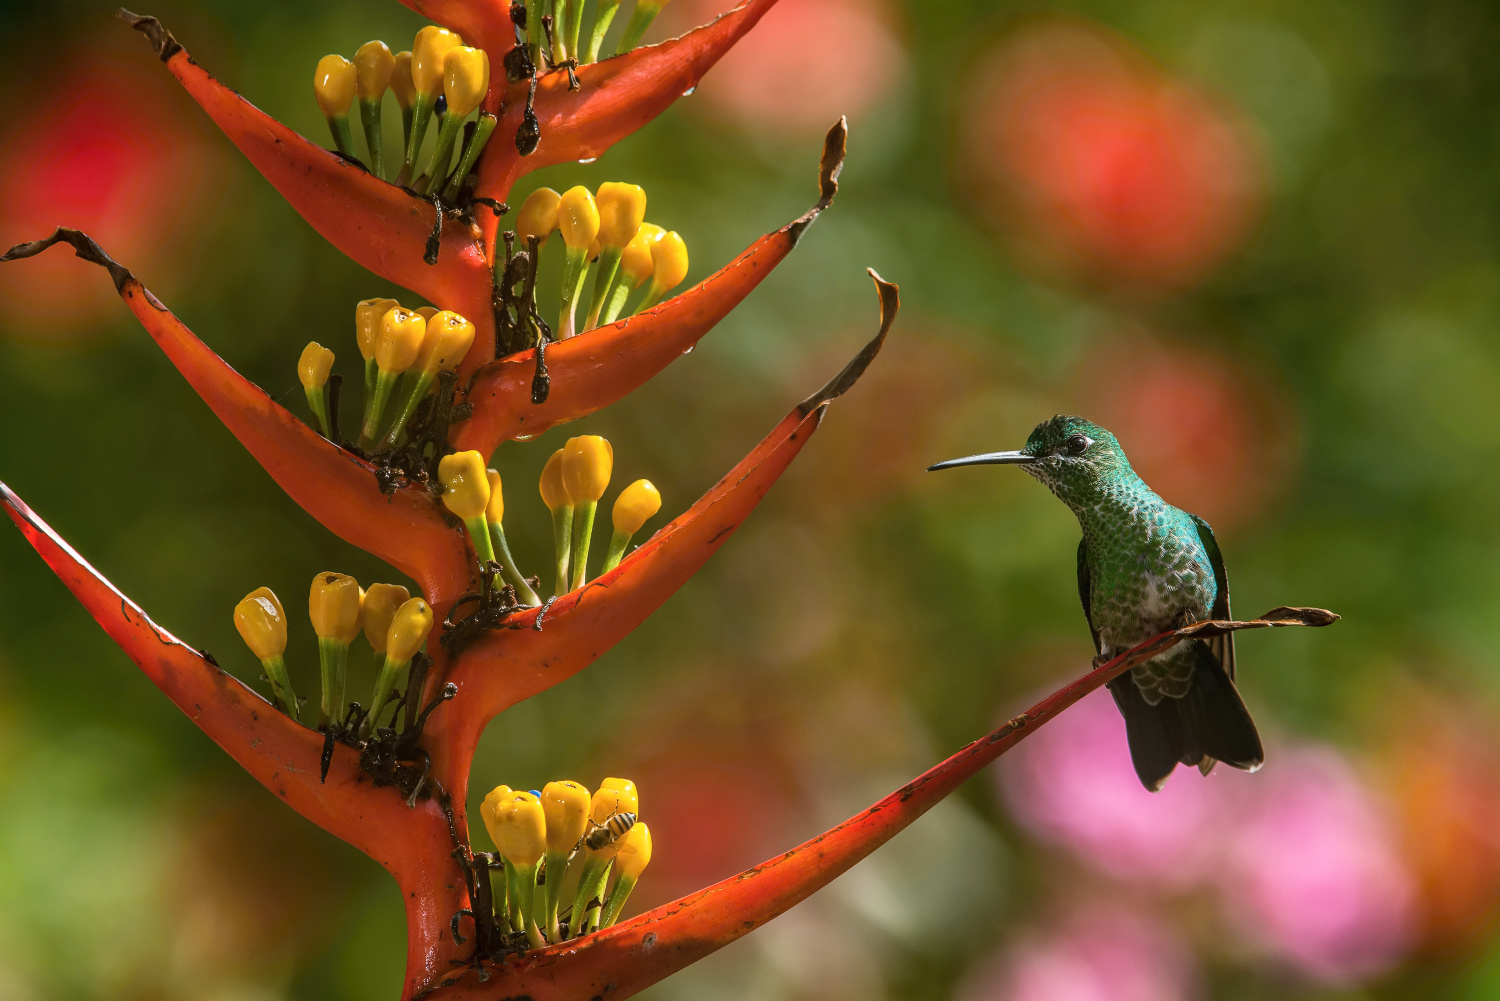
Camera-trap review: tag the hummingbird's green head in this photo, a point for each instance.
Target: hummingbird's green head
(1072, 456)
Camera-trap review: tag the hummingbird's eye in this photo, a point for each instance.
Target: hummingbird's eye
(1077, 444)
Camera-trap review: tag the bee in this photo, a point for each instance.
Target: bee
(605, 834)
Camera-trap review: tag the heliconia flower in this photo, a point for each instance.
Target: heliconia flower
(636, 504)
(613, 797)
(538, 216)
(446, 338)
(520, 833)
(429, 55)
(630, 861)
(312, 371)
(578, 221)
(373, 68)
(566, 805)
(494, 516)
(560, 502)
(381, 602)
(622, 210)
(334, 85)
(334, 604)
(587, 462)
(669, 266)
(406, 634)
(262, 625)
(636, 266)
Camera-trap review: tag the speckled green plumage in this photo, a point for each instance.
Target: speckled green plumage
(1147, 569)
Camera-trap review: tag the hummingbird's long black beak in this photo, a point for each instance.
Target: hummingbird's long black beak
(987, 459)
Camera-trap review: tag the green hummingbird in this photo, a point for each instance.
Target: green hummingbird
(1145, 567)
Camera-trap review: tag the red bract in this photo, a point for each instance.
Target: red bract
(407, 809)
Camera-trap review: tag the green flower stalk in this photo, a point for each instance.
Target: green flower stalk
(555, 495)
(604, 15)
(494, 514)
(645, 13)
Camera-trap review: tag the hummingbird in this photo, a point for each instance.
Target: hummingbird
(1144, 568)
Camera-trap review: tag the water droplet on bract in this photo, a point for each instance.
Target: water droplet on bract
(523, 437)
(689, 349)
(590, 159)
(689, 92)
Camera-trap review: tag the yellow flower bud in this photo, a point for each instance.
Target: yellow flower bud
(566, 806)
(373, 65)
(466, 488)
(538, 216)
(401, 82)
(495, 512)
(408, 632)
(466, 78)
(634, 853)
(520, 830)
(554, 490)
(636, 259)
(669, 259)
(492, 801)
(333, 83)
(400, 340)
(428, 54)
(636, 504)
(333, 604)
(587, 463)
(578, 217)
(622, 209)
(614, 796)
(381, 602)
(262, 623)
(446, 340)
(314, 365)
(367, 317)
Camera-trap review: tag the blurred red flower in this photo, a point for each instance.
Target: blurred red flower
(104, 145)
(1209, 433)
(1097, 163)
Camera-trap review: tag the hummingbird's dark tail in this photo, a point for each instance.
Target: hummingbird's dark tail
(1209, 723)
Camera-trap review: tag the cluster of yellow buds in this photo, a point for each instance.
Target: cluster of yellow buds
(558, 836)
(440, 74)
(412, 346)
(395, 623)
(609, 229)
(567, 29)
(573, 482)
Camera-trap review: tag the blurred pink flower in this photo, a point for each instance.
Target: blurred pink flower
(1312, 871)
(780, 82)
(1102, 953)
(1072, 783)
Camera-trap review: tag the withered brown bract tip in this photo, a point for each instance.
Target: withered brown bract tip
(162, 42)
(83, 245)
(835, 147)
(890, 305)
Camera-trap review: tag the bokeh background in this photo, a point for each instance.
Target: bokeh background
(1256, 238)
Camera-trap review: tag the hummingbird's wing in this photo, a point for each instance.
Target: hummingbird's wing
(1085, 590)
(1222, 646)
